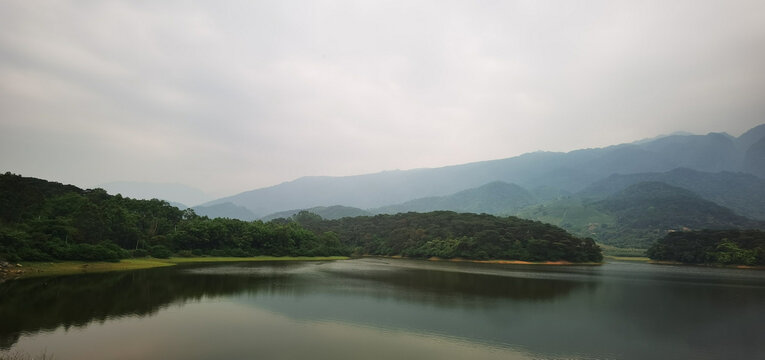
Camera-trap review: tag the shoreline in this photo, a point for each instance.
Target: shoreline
(716, 266)
(521, 262)
(56, 268)
(494, 261)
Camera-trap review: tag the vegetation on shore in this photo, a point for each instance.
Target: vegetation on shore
(446, 234)
(34, 269)
(723, 247)
(46, 221)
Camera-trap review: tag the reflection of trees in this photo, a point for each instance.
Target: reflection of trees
(32, 305)
(451, 288)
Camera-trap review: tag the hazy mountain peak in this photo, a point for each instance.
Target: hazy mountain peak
(752, 136)
(567, 172)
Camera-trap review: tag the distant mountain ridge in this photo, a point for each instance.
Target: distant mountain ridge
(225, 210)
(639, 214)
(743, 193)
(498, 198)
(564, 172)
(646, 211)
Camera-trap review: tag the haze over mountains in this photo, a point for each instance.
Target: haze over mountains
(178, 194)
(539, 172)
(625, 195)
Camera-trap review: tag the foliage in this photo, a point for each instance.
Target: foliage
(448, 234)
(49, 221)
(728, 247)
(42, 221)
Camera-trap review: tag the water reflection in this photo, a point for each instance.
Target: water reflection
(624, 311)
(33, 305)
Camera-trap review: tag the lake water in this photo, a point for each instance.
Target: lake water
(389, 309)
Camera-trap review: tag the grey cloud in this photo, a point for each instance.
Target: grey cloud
(263, 92)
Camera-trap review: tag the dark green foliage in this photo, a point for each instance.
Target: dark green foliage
(42, 221)
(48, 221)
(326, 212)
(448, 234)
(742, 247)
(160, 252)
(139, 253)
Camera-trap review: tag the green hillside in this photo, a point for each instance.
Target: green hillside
(44, 221)
(638, 215)
(573, 214)
(448, 234)
(326, 212)
(742, 193)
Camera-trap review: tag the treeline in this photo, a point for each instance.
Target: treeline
(448, 234)
(727, 247)
(41, 221)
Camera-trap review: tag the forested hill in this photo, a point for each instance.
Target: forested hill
(41, 220)
(727, 247)
(448, 234)
(646, 211)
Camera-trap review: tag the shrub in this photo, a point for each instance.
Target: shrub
(139, 253)
(185, 253)
(161, 252)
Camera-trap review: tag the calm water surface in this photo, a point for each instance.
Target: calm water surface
(389, 309)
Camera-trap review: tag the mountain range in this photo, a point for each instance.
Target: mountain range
(624, 195)
(549, 171)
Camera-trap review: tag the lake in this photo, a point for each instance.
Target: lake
(374, 308)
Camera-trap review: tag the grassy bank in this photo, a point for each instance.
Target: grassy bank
(495, 261)
(628, 258)
(613, 251)
(35, 269)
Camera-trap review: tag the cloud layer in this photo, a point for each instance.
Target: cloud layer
(233, 96)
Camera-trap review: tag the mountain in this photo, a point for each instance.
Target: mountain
(562, 172)
(743, 193)
(498, 198)
(174, 193)
(326, 212)
(638, 215)
(754, 160)
(575, 215)
(712, 152)
(752, 136)
(646, 211)
(225, 210)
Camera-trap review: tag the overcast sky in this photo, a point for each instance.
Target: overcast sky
(229, 96)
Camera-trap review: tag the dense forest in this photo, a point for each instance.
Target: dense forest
(42, 220)
(742, 247)
(448, 234)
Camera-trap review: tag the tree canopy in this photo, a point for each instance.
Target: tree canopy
(42, 220)
(727, 247)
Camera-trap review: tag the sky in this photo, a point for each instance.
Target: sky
(229, 96)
